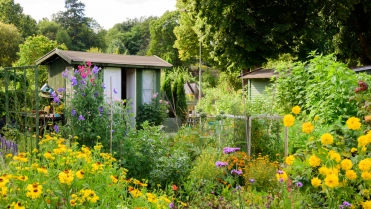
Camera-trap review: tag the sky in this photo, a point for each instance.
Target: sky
(106, 12)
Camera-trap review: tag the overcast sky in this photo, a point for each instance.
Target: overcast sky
(106, 12)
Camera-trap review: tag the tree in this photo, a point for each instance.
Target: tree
(12, 13)
(84, 32)
(163, 38)
(10, 38)
(181, 100)
(48, 28)
(134, 34)
(34, 48)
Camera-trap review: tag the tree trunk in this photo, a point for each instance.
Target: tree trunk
(363, 31)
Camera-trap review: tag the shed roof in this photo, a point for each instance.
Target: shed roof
(260, 73)
(362, 68)
(119, 60)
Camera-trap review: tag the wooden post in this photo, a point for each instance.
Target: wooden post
(111, 119)
(249, 135)
(286, 141)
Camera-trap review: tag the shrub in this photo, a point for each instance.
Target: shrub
(155, 112)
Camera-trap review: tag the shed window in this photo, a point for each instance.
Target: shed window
(149, 84)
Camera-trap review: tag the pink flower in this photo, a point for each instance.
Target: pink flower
(88, 63)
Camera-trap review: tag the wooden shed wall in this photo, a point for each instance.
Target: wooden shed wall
(257, 87)
(55, 79)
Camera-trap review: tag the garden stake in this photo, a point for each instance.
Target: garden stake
(110, 78)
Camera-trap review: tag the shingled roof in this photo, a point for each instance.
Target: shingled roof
(101, 59)
(260, 73)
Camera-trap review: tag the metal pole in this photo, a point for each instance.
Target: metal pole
(37, 105)
(6, 96)
(200, 78)
(249, 136)
(111, 116)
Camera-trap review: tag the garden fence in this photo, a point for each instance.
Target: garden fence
(20, 105)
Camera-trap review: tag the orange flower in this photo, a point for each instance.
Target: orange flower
(174, 187)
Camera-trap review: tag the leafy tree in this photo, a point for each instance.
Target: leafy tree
(181, 100)
(134, 34)
(85, 32)
(10, 38)
(62, 37)
(163, 38)
(12, 13)
(34, 48)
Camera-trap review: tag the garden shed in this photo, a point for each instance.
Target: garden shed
(257, 80)
(135, 78)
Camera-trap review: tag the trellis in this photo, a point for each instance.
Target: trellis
(22, 101)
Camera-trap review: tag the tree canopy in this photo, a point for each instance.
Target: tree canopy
(10, 38)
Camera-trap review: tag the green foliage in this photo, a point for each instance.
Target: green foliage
(32, 49)
(163, 37)
(154, 113)
(148, 154)
(10, 38)
(320, 87)
(181, 107)
(12, 13)
(209, 80)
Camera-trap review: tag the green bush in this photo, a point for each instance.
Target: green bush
(155, 112)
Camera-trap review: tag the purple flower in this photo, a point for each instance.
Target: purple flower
(96, 94)
(61, 90)
(83, 94)
(56, 99)
(345, 204)
(281, 180)
(237, 172)
(81, 118)
(54, 94)
(252, 181)
(114, 91)
(65, 74)
(95, 69)
(103, 86)
(228, 150)
(171, 205)
(56, 128)
(280, 172)
(221, 164)
(73, 112)
(299, 184)
(100, 109)
(83, 82)
(238, 187)
(74, 81)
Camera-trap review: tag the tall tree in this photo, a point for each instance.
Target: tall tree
(34, 48)
(12, 13)
(85, 32)
(163, 38)
(10, 38)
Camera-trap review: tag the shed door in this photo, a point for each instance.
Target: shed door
(149, 85)
(115, 75)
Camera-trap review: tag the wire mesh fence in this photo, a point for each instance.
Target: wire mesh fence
(20, 105)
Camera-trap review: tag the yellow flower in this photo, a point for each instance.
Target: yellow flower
(288, 120)
(73, 202)
(42, 170)
(183, 204)
(332, 180)
(281, 176)
(151, 198)
(89, 195)
(8, 156)
(351, 174)
(48, 155)
(365, 164)
(23, 178)
(346, 164)
(316, 118)
(290, 160)
(334, 156)
(353, 150)
(323, 170)
(17, 205)
(366, 192)
(314, 161)
(114, 179)
(364, 149)
(3, 181)
(353, 123)
(307, 127)
(363, 140)
(366, 175)
(327, 139)
(66, 177)
(136, 193)
(366, 205)
(80, 174)
(296, 110)
(34, 190)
